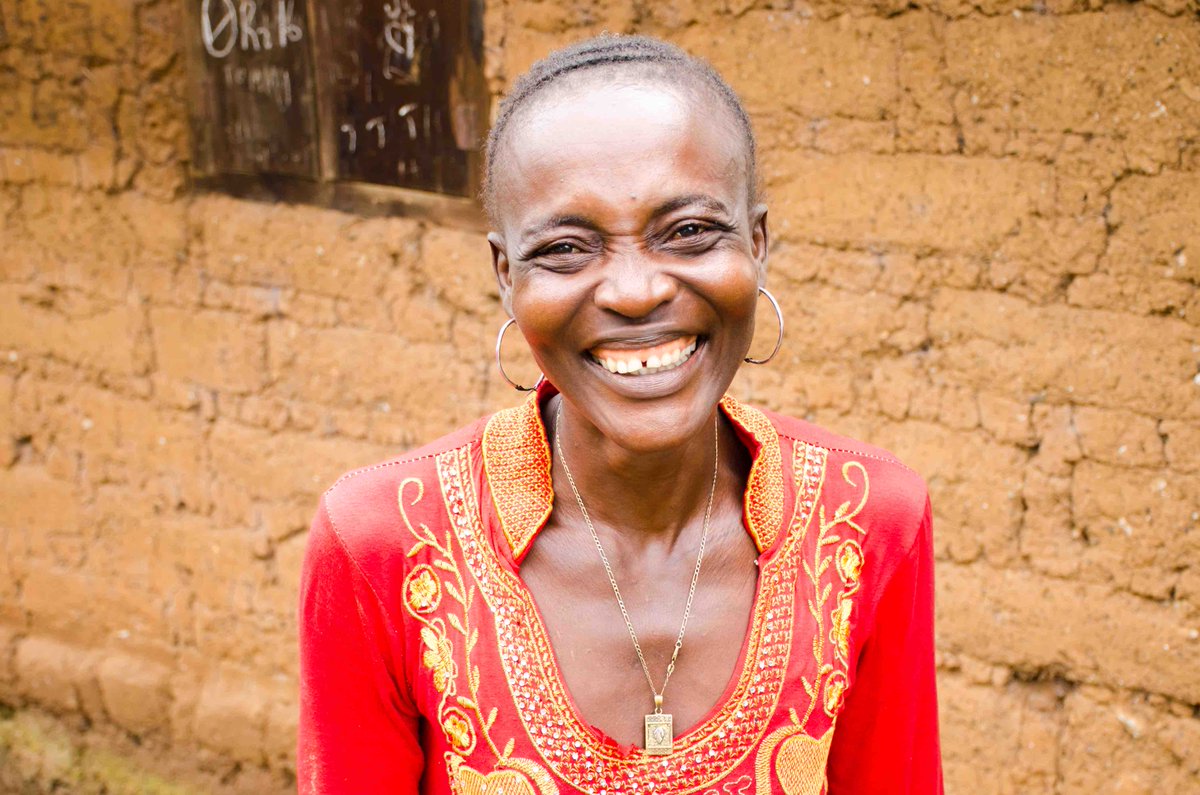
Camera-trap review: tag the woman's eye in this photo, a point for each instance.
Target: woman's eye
(560, 248)
(689, 230)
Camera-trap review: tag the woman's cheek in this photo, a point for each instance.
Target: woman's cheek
(733, 288)
(543, 309)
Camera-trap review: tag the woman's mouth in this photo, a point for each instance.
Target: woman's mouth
(644, 361)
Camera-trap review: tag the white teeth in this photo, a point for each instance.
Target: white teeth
(655, 364)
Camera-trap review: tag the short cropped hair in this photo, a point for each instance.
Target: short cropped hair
(608, 54)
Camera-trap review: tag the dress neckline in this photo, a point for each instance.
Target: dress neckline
(576, 750)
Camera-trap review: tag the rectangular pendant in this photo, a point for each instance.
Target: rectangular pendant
(660, 734)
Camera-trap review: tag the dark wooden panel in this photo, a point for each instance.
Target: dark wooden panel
(403, 97)
(252, 98)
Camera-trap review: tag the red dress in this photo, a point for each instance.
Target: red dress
(425, 666)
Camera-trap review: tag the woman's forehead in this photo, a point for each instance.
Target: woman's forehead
(616, 143)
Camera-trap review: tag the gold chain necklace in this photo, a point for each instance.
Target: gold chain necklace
(660, 734)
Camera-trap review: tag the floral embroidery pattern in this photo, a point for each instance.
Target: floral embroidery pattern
(847, 562)
(458, 715)
(839, 631)
(438, 656)
(458, 730)
(835, 693)
(423, 589)
(793, 758)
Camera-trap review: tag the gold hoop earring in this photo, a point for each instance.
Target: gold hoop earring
(779, 340)
(500, 363)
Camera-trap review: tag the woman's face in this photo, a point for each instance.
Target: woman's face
(628, 253)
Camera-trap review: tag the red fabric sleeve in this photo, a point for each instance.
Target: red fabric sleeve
(359, 730)
(886, 740)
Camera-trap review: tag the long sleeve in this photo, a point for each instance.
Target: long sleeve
(886, 741)
(359, 730)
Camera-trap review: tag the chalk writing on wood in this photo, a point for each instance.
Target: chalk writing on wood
(405, 91)
(253, 102)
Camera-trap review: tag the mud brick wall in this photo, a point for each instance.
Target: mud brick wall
(986, 226)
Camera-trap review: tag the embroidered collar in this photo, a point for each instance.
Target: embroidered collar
(516, 460)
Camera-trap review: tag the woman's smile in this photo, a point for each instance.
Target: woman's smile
(645, 360)
(649, 372)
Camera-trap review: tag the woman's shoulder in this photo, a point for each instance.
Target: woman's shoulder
(805, 432)
(892, 494)
(363, 505)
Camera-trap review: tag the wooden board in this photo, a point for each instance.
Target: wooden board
(402, 91)
(252, 100)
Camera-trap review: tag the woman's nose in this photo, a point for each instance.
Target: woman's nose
(634, 286)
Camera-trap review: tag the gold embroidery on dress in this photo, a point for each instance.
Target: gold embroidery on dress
(830, 684)
(796, 759)
(423, 589)
(742, 785)
(800, 762)
(460, 716)
(516, 458)
(513, 780)
(569, 748)
(764, 487)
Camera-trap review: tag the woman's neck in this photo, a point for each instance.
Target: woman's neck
(643, 497)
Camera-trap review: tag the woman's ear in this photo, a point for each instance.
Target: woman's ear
(501, 266)
(760, 240)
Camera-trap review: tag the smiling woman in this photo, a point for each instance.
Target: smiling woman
(504, 609)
